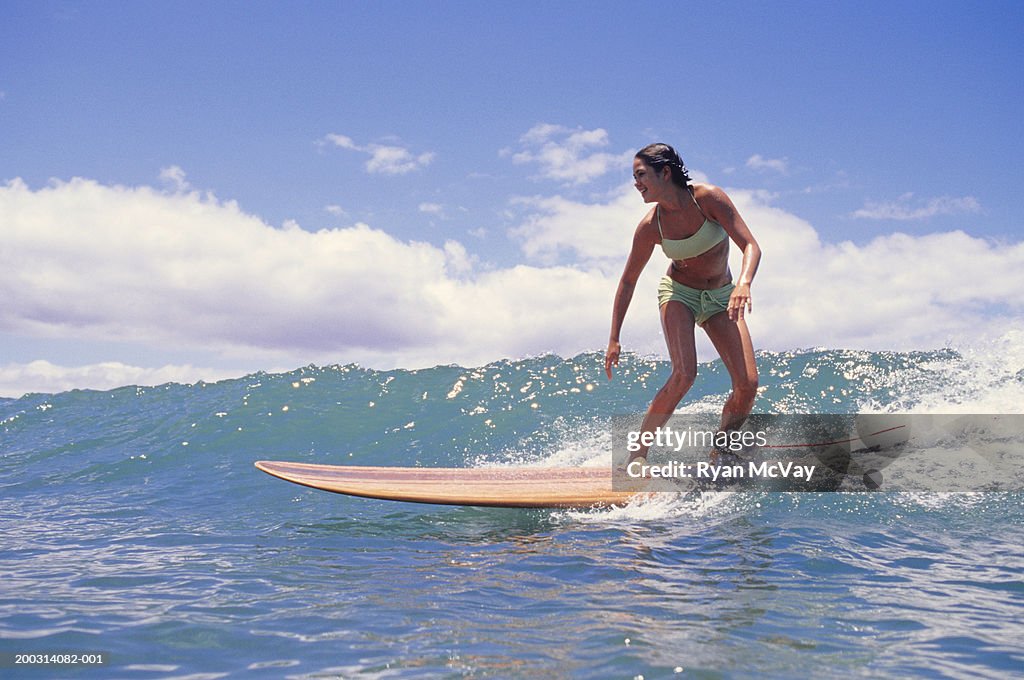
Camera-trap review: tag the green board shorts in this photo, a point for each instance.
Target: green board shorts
(703, 303)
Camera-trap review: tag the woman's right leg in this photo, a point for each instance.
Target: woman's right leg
(678, 325)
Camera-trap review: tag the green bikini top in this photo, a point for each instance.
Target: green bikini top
(704, 239)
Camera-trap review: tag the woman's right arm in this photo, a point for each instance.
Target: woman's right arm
(639, 254)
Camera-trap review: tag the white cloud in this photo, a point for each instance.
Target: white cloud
(394, 160)
(111, 263)
(89, 262)
(906, 209)
(596, 234)
(341, 141)
(43, 376)
(384, 159)
(174, 177)
(896, 292)
(759, 162)
(431, 208)
(568, 155)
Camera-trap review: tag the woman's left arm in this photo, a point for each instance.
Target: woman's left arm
(720, 207)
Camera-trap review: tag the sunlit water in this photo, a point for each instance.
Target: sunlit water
(133, 524)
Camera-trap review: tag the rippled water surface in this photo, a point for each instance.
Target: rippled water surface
(134, 524)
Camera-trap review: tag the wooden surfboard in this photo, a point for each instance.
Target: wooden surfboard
(508, 487)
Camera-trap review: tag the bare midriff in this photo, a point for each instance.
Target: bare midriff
(706, 271)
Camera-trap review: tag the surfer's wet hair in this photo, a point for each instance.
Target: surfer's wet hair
(659, 155)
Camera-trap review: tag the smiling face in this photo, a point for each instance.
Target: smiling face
(651, 184)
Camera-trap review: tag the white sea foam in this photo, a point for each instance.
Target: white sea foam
(662, 506)
(985, 375)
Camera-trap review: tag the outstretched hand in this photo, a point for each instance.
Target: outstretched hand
(611, 357)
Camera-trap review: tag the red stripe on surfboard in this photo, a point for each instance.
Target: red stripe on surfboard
(838, 441)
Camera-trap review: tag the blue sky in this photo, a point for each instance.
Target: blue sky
(488, 145)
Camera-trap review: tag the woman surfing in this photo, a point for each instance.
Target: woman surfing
(693, 224)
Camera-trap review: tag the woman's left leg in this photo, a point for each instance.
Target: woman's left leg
(732, 340)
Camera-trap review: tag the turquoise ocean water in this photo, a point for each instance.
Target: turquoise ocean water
(134, 525)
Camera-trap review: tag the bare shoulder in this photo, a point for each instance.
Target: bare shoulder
(646, 228)
(714, 202)
(711, 194)
(645, 238)
(648, 219)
